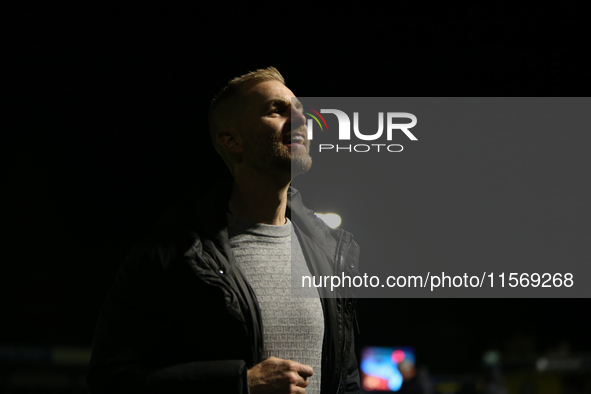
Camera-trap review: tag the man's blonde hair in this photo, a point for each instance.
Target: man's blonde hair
(219, 112)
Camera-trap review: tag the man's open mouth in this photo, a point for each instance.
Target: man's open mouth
(294, 139)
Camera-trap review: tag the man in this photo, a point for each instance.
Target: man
(204, 304)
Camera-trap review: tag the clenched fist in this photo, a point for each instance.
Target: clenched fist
(279, 376)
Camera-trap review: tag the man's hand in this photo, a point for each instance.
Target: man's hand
(279, 376)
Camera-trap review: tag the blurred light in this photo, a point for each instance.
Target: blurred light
(542, 364)
(71, 355)
(372, 383)
(491, 357)
(385, 368)
(398, 355)
(558, 364)
(331, 219)
(45, 354)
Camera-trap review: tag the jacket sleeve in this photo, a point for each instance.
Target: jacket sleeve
(352, 382)
(126, 355)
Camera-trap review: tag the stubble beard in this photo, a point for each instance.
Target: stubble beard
(271, 156)
(301, 162)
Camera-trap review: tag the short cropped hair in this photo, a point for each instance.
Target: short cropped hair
(217, 112)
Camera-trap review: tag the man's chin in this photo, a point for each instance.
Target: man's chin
(300, 165)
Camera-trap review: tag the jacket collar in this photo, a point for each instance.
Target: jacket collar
(203, 214)
(305, 219)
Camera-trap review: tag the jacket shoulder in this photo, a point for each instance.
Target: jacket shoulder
(325, 236)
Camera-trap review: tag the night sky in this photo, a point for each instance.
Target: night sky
(105, 126)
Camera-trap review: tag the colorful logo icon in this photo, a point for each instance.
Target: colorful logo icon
(315, 118)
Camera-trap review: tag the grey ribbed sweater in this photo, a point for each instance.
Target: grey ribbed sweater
(268, 256)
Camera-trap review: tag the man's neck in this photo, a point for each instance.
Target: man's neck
(259, 199)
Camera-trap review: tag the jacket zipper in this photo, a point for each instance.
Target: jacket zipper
(341, 266)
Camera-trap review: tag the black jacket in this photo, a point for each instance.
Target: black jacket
(181, 318)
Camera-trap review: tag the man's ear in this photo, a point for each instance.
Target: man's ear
(229, 140)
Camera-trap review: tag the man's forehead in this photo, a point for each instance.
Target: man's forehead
(268, 92)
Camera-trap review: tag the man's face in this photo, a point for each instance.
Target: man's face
(275, 139)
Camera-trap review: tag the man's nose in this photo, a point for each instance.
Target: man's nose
(297, 117)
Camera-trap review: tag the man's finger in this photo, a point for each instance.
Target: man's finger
(305, 371)
(305, 382)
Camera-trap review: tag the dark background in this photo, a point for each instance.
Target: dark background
(105, 126)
